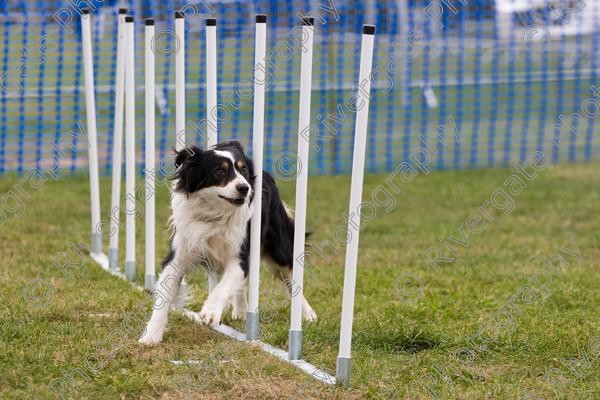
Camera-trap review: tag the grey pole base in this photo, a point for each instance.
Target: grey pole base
(342, 371)
(149, 282)
(113, 259)
(251, 325)
(295, 345)
(96, 242)
(130, 270)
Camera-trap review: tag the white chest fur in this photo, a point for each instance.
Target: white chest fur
(208, 227)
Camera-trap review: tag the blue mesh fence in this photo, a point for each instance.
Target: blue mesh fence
(480, 84)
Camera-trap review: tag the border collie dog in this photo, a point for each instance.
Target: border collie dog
(212, 205)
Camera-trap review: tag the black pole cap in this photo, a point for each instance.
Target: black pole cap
(149, 21)
(179, 14)
(85, 10)
(122, 11)
(369, 29)
(211, 22)
(308, 21)
(261, 19)
(129, 18)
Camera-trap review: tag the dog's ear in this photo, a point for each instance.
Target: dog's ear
(184, 154)
(185, 170)
(237, 145)
(232, 143)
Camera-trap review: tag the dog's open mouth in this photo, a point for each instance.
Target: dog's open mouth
(237, 202)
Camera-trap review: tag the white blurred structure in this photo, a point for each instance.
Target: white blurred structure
(558, 17)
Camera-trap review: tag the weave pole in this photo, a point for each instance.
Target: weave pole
(180, 81)
(117, 156)
(356, 188)
(258, 127)
(130, 148)
(150, 167)
(211, 105)
(90, 103)
(295, 337)
(211, 84)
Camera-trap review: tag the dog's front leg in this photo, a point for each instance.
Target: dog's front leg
(167, 287)
(213, 280)
(239, 305)
(231, 283)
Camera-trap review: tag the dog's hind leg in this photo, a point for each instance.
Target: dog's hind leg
(308, 314)
(278, 240)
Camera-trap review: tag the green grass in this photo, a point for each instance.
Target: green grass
(398, 345)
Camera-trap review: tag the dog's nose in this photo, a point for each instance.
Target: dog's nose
(242, 189)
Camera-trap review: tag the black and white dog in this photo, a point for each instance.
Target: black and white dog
(212, 205)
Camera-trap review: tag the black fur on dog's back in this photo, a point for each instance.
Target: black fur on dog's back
(277, 228)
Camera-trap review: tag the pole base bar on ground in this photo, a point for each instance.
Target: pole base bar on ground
(130, 270)
(295, 345)
(342, 371)
(232, 333)
(304, 366)
(252, 325)
(100, 259)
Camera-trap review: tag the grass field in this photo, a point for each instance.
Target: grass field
(405, 342)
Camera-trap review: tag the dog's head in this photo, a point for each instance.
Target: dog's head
(222, 174)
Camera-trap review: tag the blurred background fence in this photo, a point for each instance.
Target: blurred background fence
(475, 82)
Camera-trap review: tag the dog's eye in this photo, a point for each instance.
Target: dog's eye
(220, 173)
(245, 170)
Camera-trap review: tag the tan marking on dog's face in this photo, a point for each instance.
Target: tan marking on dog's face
(225, 166)
(241, 165)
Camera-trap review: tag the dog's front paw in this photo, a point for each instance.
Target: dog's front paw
(238, 314)
(239, 308)
(150, 337)
(211, 314)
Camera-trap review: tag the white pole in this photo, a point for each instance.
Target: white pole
(258, 124)
(117, 156)
(130, 149)
(150, 159)
(211, 101)
(356, 187)
(90, 103)
(295, 337)
(180, 81)
(211, 82)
